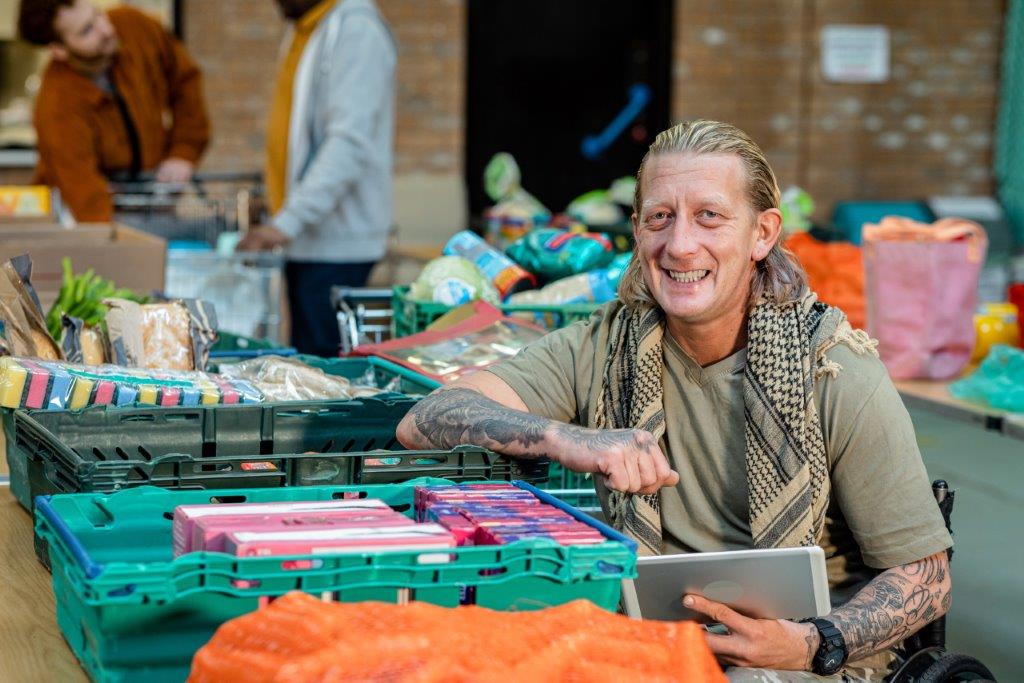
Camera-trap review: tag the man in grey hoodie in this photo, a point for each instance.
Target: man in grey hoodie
(329, 158)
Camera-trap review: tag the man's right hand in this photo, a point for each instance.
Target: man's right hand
(630, 459)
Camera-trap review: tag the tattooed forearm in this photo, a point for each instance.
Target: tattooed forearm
(897, 603)
(458, 415)
(603, 439)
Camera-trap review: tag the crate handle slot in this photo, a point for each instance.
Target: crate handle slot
(605, 567)
(382, 462)
(138, 417)
(347, 495)
(493, 571)
(181, 417)
(212, 467)
(169, 516)
(427, 461)
(301, 565)
(228, 499)
(121, 592)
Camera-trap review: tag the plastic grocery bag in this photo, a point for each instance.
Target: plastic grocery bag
(921, 288)
(998, 381)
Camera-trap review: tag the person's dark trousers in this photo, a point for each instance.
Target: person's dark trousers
(314, 325)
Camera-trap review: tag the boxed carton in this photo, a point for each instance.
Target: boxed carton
(128, 257)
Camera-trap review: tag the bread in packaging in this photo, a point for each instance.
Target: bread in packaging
(173, 335)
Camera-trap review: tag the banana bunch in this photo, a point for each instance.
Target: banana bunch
(81, 296)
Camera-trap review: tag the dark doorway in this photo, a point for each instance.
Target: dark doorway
(543, 75)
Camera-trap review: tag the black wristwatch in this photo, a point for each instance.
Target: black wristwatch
(831, 654)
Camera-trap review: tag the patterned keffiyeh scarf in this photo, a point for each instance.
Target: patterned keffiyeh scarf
(787, 465)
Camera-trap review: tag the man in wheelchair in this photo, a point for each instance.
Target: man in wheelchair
(725, 408)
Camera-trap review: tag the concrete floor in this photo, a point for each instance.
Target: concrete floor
(987, 471)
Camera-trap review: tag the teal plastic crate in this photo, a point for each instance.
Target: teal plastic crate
(129, 611)
(410, 316)
(849, 217)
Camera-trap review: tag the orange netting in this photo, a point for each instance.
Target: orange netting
(835, 272)
(300, 638)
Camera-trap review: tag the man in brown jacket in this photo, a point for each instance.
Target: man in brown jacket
(101, 109)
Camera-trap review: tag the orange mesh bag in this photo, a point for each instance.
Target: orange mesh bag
(300, 638)
(835, 271)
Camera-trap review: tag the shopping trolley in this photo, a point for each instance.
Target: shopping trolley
(199, 211)
(244, 288)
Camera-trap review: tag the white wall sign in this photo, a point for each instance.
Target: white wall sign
(855, 53)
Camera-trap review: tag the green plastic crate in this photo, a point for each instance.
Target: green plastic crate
(573, 488)
(130, 612)
(378, 372)
(385, 374)
(227, 342)
(106, 449)
(410, 316)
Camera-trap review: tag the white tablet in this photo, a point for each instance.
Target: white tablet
(781, 583)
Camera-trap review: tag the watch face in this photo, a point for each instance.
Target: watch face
(832, 662)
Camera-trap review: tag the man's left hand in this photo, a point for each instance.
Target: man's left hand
(174, 170)
(262, 238)
(761, 643)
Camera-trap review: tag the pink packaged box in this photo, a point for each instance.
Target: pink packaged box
(185, 515)
(339, 541)
(208, 532)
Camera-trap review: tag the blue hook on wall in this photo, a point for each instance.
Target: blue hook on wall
(593, 146)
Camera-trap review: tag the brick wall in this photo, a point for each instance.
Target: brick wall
(750, 62)
(236, 42)
(926, 131)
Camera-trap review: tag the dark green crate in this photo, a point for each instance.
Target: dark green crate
(131, 612)
(410, 316)
(105, 449)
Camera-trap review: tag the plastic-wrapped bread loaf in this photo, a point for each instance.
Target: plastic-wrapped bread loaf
(166, 337)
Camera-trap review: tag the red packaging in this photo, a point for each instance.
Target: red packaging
(1015, 294)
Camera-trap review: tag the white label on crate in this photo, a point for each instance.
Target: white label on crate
(855, 53)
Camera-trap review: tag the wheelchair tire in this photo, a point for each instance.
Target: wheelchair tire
(954, 667)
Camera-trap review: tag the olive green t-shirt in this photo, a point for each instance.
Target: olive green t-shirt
(881, 514)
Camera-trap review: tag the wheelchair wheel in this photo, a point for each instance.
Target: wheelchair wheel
(954, 667)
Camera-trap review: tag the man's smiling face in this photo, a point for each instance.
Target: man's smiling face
(697, 236)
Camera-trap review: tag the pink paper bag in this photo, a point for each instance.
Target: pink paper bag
(921, 289)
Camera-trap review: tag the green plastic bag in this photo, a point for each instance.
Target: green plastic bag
(552, 254)
(998, 381)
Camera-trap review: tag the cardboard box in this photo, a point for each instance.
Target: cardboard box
(128, 257)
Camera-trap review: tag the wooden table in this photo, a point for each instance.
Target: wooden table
(935, 396)
(32, 648)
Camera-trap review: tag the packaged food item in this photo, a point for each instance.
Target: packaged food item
(186, 517)
(995, 323)
(57, 385)
(553, 254)
(288, 379)
(23, 330)
(82, 343)
(506, 275)
(596, 207)
(356, 539)
(483, 339)
(174, 335)
(453, 281)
